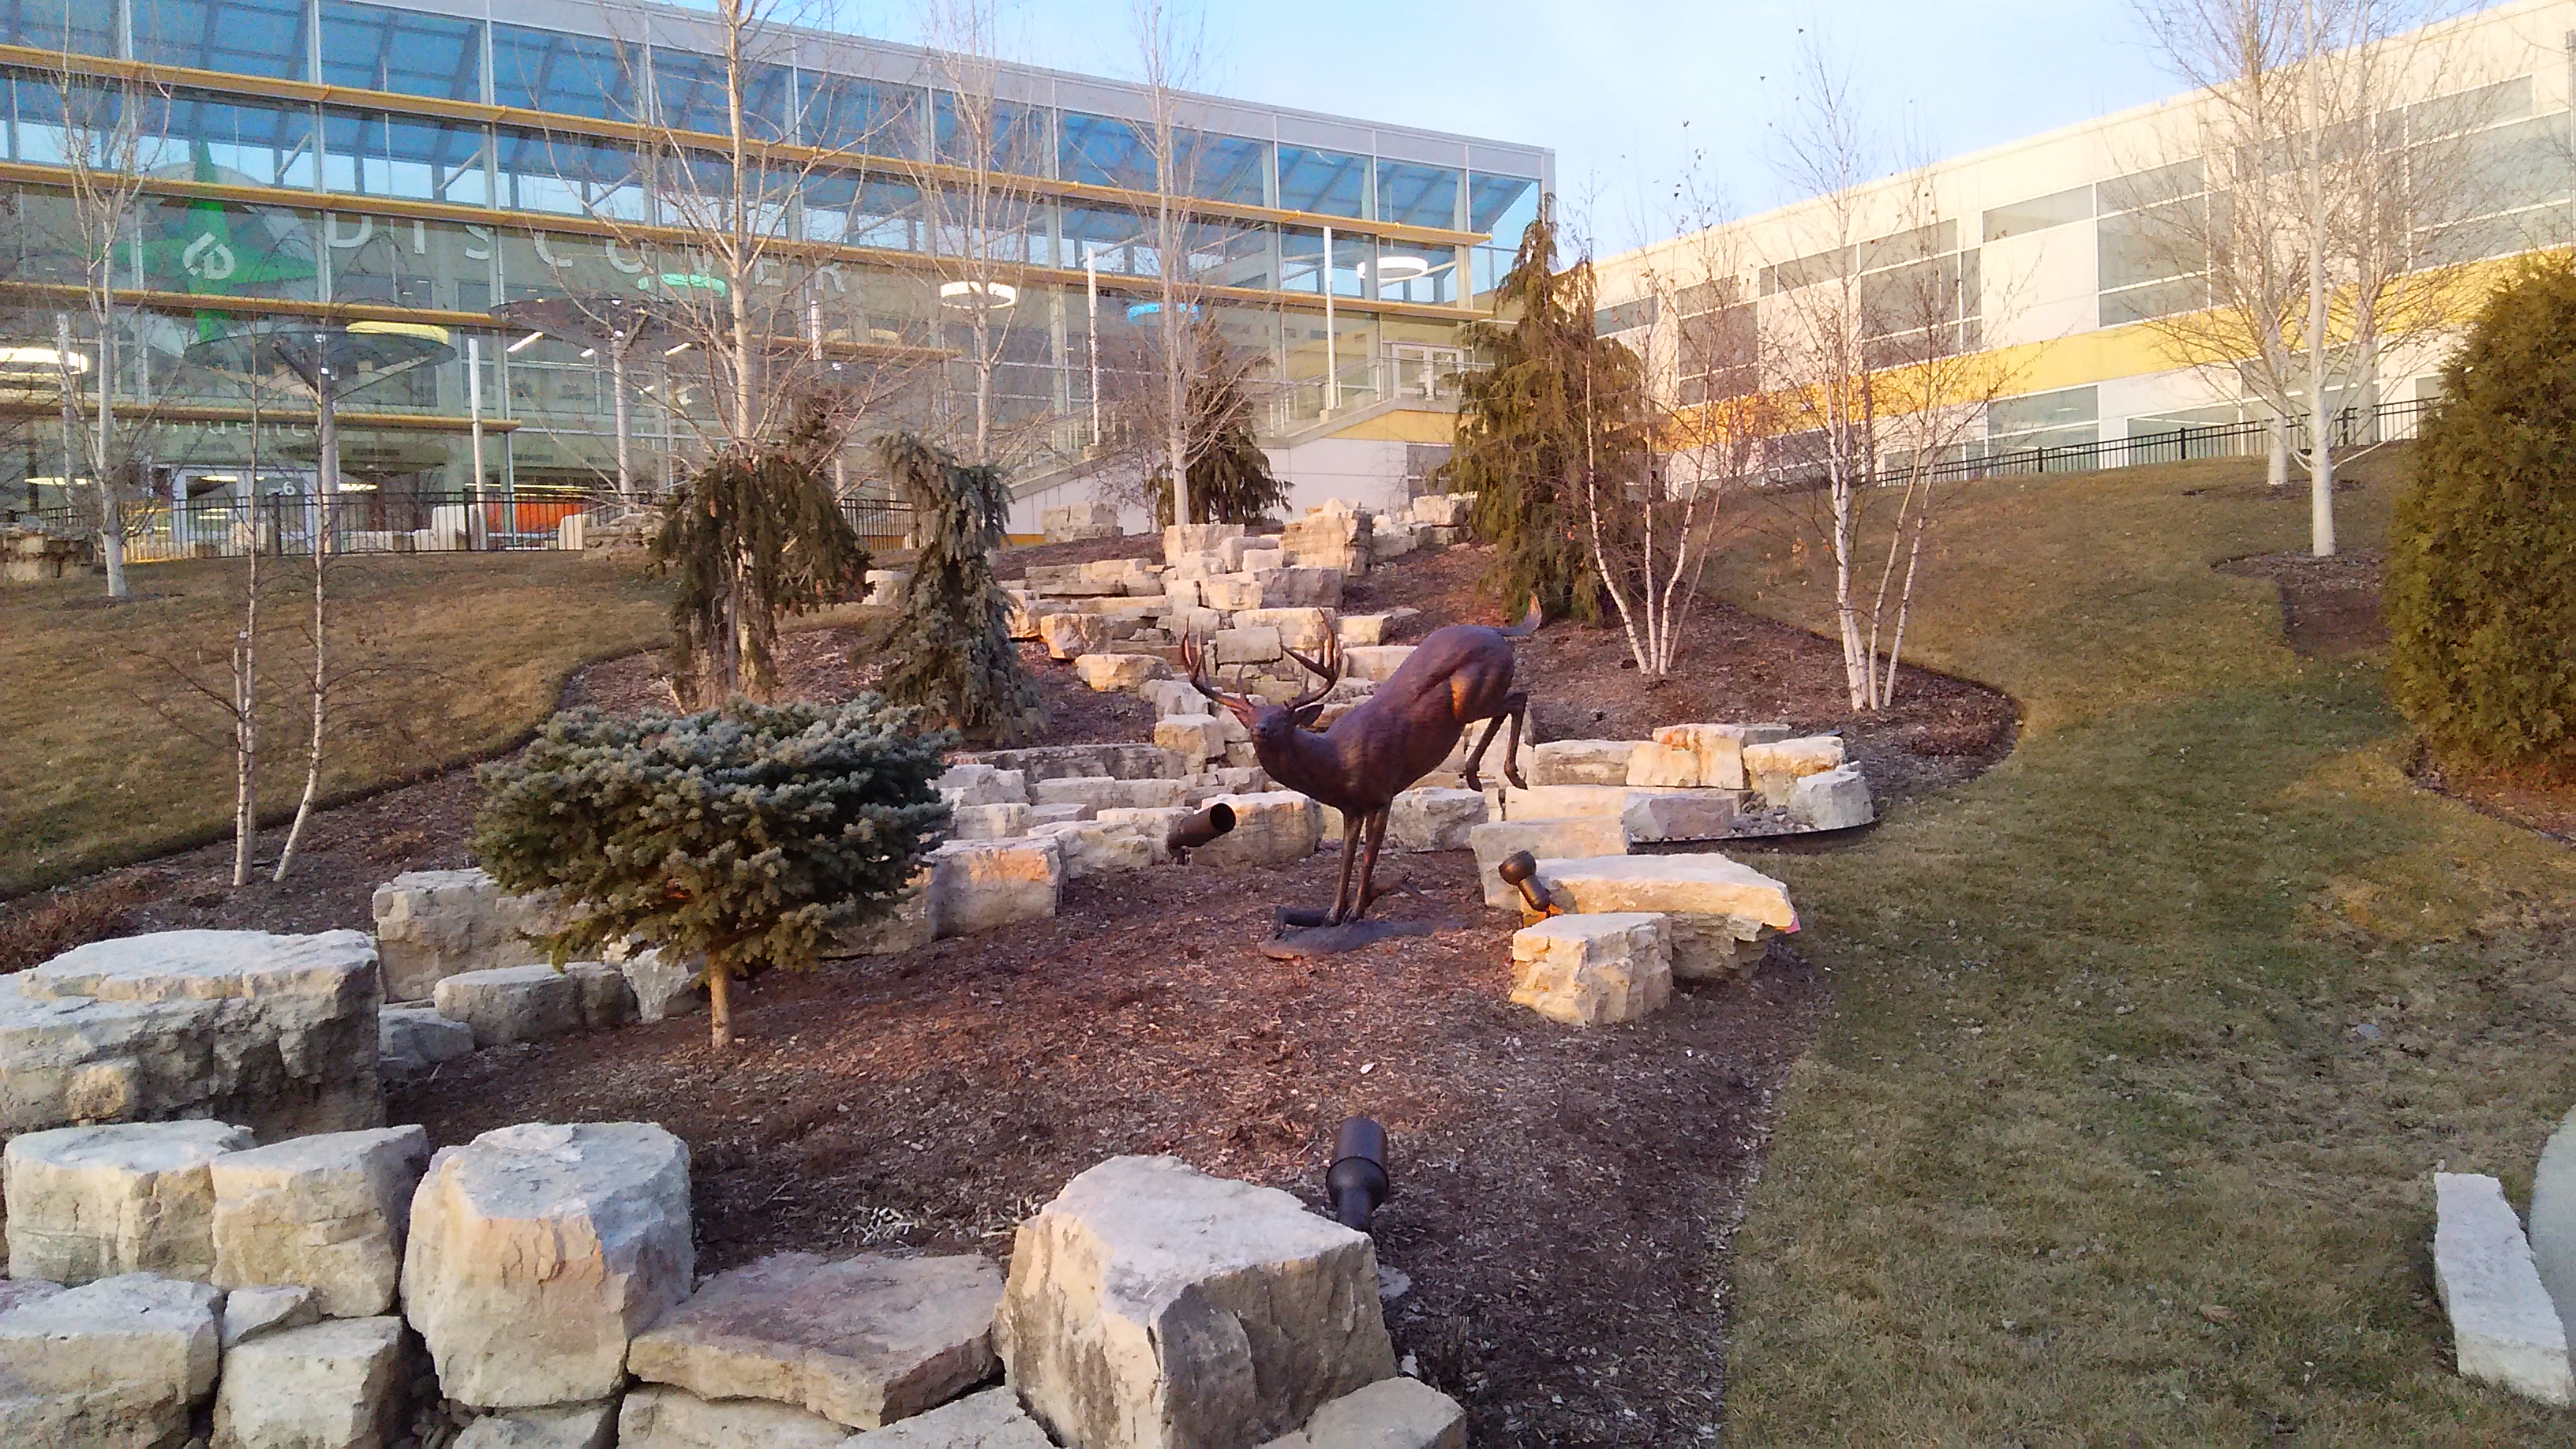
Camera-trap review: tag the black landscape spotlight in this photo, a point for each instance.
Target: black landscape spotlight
(1193, 831)
(1519, 870)
(1357, 1179)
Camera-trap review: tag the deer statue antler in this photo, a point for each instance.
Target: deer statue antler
(1328, 670)
(1194, 659)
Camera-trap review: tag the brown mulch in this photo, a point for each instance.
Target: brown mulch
(1014, 563)
(1732, 666)
(2329, 606)
(1561, 1196)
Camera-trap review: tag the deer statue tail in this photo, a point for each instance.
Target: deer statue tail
(1529, 622)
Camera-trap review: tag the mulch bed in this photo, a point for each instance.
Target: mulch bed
(1563, 1197)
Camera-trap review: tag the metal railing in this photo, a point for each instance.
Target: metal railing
(162, 530)
(2348, 428)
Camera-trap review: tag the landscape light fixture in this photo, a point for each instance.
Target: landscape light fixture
(977, 296)
(531, 337)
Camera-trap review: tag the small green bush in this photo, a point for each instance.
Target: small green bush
(948, 651)
(746, 833)
(2481, 583)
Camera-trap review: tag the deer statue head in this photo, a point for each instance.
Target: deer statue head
(1273, 726)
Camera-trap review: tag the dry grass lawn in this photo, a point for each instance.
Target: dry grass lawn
(2146, 1043)
(456, 657)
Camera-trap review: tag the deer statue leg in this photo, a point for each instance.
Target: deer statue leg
(1368, 863)
(1352, 825)
(1515, 705)
(1476, 756)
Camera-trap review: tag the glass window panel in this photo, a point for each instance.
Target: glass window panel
(1328, 183)
(240, 37)
(1410, 194)
(1502, 207)
(2039, 214)
(1407, 273)
(2155, 299)
(2511, 167)
(1116, 240)
(251, 145)
(869, 212)
(2154, 244)
(1226, 168)
(1301, 260)
(2469, 110)
(2152, 188)
(402, 51)
(573, 75)
(1103, 151)
(78, 26)
(1225, 255)
(847, 113)
(46, 134)
(408, 262)
(212, 248)
(690, 89)
(376, 155)
(1013, 136)
(1353, 259)
(2497, 236)
(566, 175)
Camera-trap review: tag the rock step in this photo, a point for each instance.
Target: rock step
(2504, 1329)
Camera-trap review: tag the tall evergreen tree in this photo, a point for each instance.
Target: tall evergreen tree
(950, 652)
(1558, 400)
(755, 535)
(1230, 479)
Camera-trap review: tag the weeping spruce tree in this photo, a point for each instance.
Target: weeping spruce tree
(2481, 581)
(949, 652)
(1230, 478)
(756, 535)
(1557, 400)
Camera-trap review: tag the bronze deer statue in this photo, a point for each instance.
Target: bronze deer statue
(1400, 733)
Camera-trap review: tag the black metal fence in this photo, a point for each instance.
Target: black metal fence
(2349, 428)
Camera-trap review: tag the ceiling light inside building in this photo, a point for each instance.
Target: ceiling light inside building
(975, 296)
(1402, 269)
(22, 359)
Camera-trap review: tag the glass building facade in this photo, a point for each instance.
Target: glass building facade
(424, 163)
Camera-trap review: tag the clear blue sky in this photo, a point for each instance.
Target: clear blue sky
(1610, 83)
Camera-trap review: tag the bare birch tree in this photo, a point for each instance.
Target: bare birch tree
(2299, 230)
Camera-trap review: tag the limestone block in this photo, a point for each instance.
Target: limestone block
(1195, 622)
(992, 1419)
(1565, 802)
(1397, 1413)
(1078, 521)
(602, 993)
(1721, 911)
(2504, 1329)
(1444, 510)
(1101, 793)
(1655, 815)
(1580, 762)
(250, 1312)
(1041, 816)
(537, 1251)
(1388, 542)
(434, 923)
(329, 1212)
(1275, 826)
(17, 1292)
(1304, 630)
(328, 1386)
(1111, 673)
(1656, 766)
(906, 927)
(885, 587)
(1152, 826)
(87, 1203)
(1573, 837)
(278, 1032)
(1299, 587)
(1020, 620)
(1773, 769)
(1263, 560)
(983, 785)
(978, 885)
(1172, 696)
(2553, 1220)
(662, 984)
(1057, 762)
(591, 1425)
(987, 822)
(1360, 631)
(1188, 538)
(1194, 737)
(1230, 593)
(1330, 537)
(1070, 635)
(511, 1004)
(1152, 1306)
(412, 1040)
(1375, 662)
(862, 1341)
(1244, 646)
(1835, 800)
(657, 1416)
(116, 1364)
(1434, 818)
(1593, 970)
(1091, 848)
(1720, 748)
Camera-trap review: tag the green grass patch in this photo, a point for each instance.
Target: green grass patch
(457, 656)
(2092, 1067)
